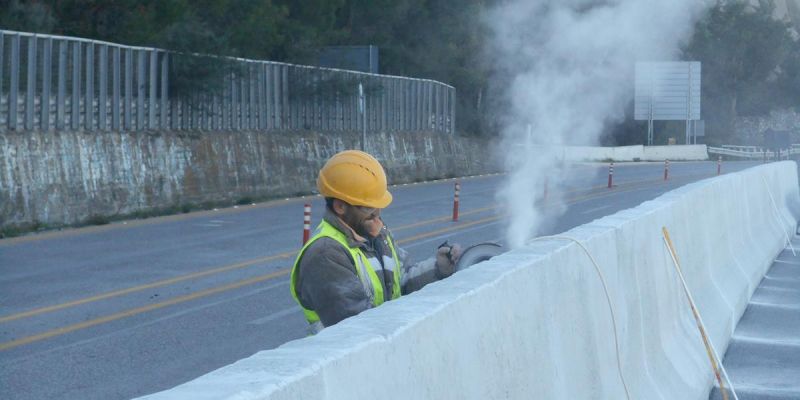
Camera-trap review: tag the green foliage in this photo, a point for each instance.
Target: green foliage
(433, 39)
(10, 231)
(788, 82)
(25, 16)
(748, 57)
(751, 64)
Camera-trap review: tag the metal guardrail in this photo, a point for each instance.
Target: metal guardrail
(753, 152)
(62, 83)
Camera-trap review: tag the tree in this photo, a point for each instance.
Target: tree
(788, 83)
(741, 48)
(25, 16)
(434, 39)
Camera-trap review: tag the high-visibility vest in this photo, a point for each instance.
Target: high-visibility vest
(366, 269)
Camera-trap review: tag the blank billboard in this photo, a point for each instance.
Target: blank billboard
(667, 91)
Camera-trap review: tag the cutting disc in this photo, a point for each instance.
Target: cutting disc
(477, 253)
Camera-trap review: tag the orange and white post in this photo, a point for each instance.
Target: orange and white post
(719, 165)
(666, 169)
(306, 222)
(455, 201)
(611, 175)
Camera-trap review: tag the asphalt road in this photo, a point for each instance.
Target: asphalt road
(122, 310)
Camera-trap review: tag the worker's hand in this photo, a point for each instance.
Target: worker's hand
(373, 227)
(446, 258)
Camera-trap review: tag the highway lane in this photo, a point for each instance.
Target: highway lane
(127, 309)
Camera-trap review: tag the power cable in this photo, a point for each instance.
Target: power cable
(716, 362)
(608, 299)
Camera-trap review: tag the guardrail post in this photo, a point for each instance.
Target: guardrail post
(30, 97)
(75, 115)
(141, 86)
(88, 101)
(115, 89)
(129, 55)
(61, 97)
(102, 96)
(153, 75)
(47, 72)
(13, 88)
(261, 93)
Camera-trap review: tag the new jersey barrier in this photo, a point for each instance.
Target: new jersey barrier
(627, 153)
(535, 322)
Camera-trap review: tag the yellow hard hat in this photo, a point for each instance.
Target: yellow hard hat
(355, 177)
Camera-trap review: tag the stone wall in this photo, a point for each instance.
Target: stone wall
(64, 178)
(751, 129)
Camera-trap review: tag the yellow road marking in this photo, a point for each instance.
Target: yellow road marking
(144, 287)
(139, 310)
(235, 285)
(200, 274)
(193, 296)
(249, 263)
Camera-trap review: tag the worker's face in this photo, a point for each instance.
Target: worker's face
(365, 221)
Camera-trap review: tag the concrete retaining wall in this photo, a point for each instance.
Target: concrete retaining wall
(534, 322)
(63, 178)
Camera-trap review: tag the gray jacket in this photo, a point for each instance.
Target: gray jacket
(326, 278)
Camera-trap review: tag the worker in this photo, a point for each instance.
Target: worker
(352, 262)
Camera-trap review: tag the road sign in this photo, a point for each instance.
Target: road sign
(667, 91)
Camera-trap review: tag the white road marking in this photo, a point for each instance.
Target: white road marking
(591, 210)
(277, 315)
(225, 299)
(209, 225)
(786, 262)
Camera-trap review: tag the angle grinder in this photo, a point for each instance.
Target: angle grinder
(477, 253)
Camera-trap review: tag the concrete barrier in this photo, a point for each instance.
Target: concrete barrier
(630, 153)
(675, 153)
(534, 322)
(627, 153)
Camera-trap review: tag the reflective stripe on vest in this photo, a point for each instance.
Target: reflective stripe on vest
(366, 269)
